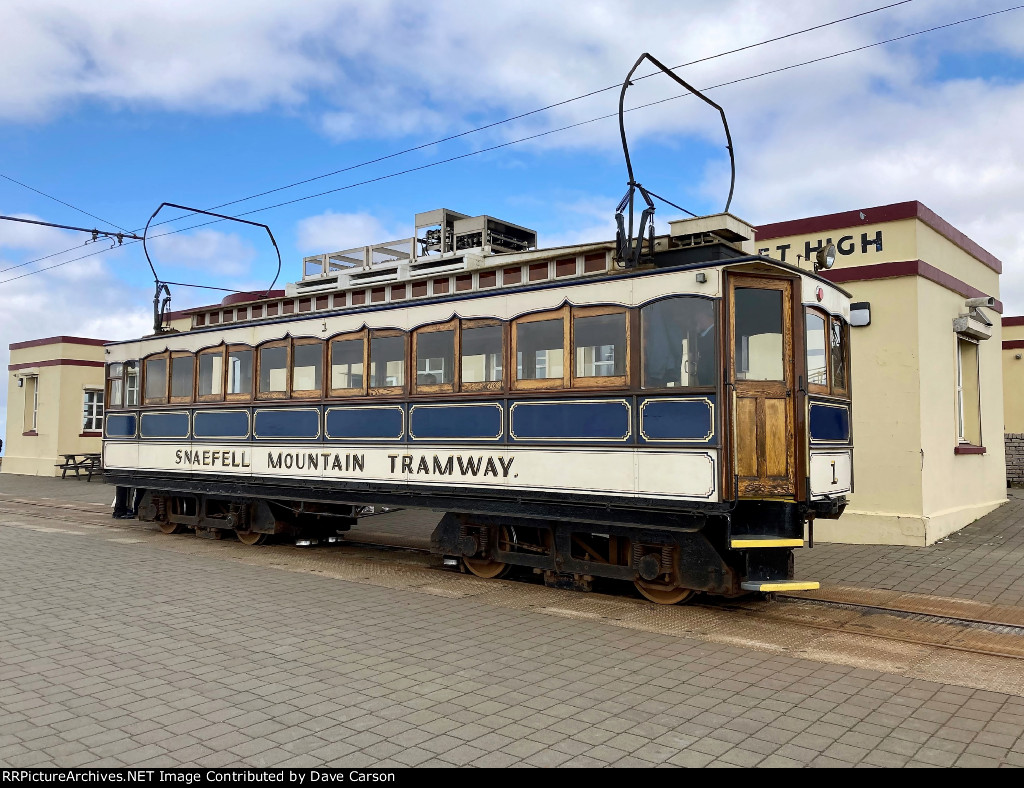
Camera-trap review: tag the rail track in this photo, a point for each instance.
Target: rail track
(881, 629)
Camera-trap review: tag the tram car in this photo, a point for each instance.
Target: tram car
(678, 424)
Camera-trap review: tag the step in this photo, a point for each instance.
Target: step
(780, 585)
(746, 541)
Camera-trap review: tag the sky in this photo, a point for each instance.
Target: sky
(112, 108)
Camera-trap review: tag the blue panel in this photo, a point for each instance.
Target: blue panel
(674, 419)
(164, 425)
(440, 422)
(570, 421)
(829, 423)
(221, 424)
(120, 425)
(383, 423)
(286, 423)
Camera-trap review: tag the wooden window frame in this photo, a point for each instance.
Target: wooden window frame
(437, 388)
(170, 374)
(563, 313)
(294, 393)
(258, 370)
(484, 385)
(604, 381)
(817, 388)
(347, 337)
(844, 339)
(240, 396)
(120, 378)
(144, 397)
(222, 352)
(385, 391)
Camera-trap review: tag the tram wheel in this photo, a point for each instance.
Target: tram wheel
(251, 537)
(171, 528)
(662, 594)
(485, 567)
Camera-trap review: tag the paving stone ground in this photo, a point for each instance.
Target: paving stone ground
(115, 653)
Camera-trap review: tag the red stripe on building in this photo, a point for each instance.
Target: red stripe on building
(1013, 321)
(57, 341)
(56, 362)
(1012, 344)
(863, 273)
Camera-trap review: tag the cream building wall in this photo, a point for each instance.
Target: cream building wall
(1013, 374)
(63, 368)
(914, 481)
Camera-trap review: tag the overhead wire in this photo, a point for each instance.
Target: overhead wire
(553, 131)
(62, 202)
(557, 104)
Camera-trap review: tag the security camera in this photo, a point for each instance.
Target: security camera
(987, 301)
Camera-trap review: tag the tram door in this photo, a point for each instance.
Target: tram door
(761, 374)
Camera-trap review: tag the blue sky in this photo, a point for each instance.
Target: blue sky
(116, 107)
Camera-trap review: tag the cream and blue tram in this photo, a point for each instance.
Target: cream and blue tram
(678, 425)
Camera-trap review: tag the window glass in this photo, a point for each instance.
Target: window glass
(211, 373)
(182, 369)
(817, 360)
(758, 350)
(968, 393)
(156, 378)
(435, 357)
(115, 393)
(679, 342)
(387, 361)
(115, 370)
(273, 369)
(131, 383)
(481, 354)
(600, 345)
(347, 364)
(92, 411)
(539, 349)
(307, 367)
(838, 355)
(240, 372)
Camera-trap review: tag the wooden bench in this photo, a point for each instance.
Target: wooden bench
(79, 463)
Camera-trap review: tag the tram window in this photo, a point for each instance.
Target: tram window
(482, 352)
(435, 358)
(211, 375)
(387, 361)
(679, 342)
(758, 341)
(182, 372)
(131, 384)
(114, 374)
(599, 344)
(273, 370)
(307, 368)
(838, 352)
(817, 355)
(156, 380)
(239, 381)
(540, 348)
(347, 364)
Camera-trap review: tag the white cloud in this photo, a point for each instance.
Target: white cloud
(332, 232)
(216, 253)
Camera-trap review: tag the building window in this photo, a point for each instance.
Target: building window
(92, 411)
(31, 403)
(968, 392)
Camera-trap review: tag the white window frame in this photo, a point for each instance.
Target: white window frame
(92, 411)
(960, 423)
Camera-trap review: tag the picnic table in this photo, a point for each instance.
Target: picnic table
(79, 463)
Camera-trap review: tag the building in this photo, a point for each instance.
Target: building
(1013, 398)
(54, 403)
(927, 370)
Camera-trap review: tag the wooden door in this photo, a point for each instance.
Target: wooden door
(761, 374)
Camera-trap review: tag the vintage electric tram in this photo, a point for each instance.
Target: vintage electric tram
(679, 423)
(672, 411)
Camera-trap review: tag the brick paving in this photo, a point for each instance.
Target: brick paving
(125, 654)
